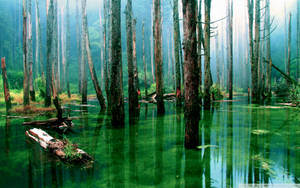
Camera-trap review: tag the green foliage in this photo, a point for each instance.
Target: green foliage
(216, 92)
(15, 79)
(294, 95)
(41, 86)
(70, 150)
(281, 89)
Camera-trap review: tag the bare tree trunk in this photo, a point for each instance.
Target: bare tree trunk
(218, 61)
(230, 49)
(106, 34)
(83, 65)
(38, 55)
(55, 46)
(191, 113)
(207, 73)
(78, 42)
(63, 49)
(26, 100)
(144, 61)
(116, 87)
(199, 42)
(30, 54)
(89, 56)
(5, 85)
(158, 57)
(132, 90)
(288, 68)
(68, 50)
(152, 42)
(255, 63)
(135, 64)
(268, 50)
(177, 53)
(59, 50)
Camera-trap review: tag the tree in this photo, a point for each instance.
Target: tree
(256, 50)
(298, 40)
(26, 100)
(135, 64)
(78, 42)
(144, 60)
(268, 50)
(29, 51)
(207, 72)
(230, 48)
(132, 94)
(5, 85)
(38, 52)
(200, 41)
(176, 49)
(288, 66)
(116, 86)
(191, 69)
(158, 57)
(68, 50)
(89, 57)
(83, 64)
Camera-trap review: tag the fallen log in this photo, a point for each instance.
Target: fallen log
(64, 150)
(54, 123)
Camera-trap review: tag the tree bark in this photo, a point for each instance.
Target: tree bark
(38, 55)
(288, 67)
(158, 57)
(26, 100)
(152, 42)
(218, 61)
(177, 54)
(207, 73)
(5, 85)
(135, 64)
(191, 83)
(90, 61)
(83, 62)
(78, 42)
(29, 51)
(132, 90)
(230, 49)
(268, 50)
(144, 61)
(116, 87)
(199, 42)
(106, 50)
(68, 50)
(254, 65)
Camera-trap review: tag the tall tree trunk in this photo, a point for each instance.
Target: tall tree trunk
(152, 42)
(158, 57)
(30, 54)
(26, 100)
(78, 42)
(38, 51)
(199, 42)
(132, 94)
(177, 53)
(68, 50)
(107, 25)
(63, 49)
(230, 49)
(83, 62)
(144, 61)
(288, 67)
(90, 61)
(218, 60)
(191, 113)
(268, 50)
(55, 47)
(135, 64)
(5, 85)
(116, 86)
(207, 72)
(255, 55)
(59, 51)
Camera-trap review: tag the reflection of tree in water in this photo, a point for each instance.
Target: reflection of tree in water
(159, 138)
(229, 145)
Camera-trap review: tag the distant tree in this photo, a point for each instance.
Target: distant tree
(26, 100)
(38, 51)
(144, 60)
(68, 49)
(191, 69)
(89, 57)
(116, 86)
(207, 71)
(177, 53)
(78, 43)
(83, 62)
(158, 57)
(29, 50)
(288, 67)
(135, 64)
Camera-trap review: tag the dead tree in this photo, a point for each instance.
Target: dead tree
(5, 85)
(207, 71)
(158, 57)
(26, 100)
(177, 53)
(89, 57)
(144, 60)
(132, 94)
(116, 86)
(230, 48)
(191, 83)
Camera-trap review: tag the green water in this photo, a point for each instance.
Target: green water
(248, 144)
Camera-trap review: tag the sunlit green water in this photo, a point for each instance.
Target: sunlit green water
(248, 144)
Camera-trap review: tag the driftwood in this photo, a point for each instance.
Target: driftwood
(63, 124)
(59, 148)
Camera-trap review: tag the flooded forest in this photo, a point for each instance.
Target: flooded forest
(150, 93)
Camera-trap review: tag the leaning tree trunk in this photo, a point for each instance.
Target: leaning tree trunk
(191, 83)
(158, 57)
(288, 67)
(89, 57)
(207, 73)
(132, 94)
(116, 86)
(230, 49)
(176, 49)
(144, 61)
(5, 85)
(26, 100)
